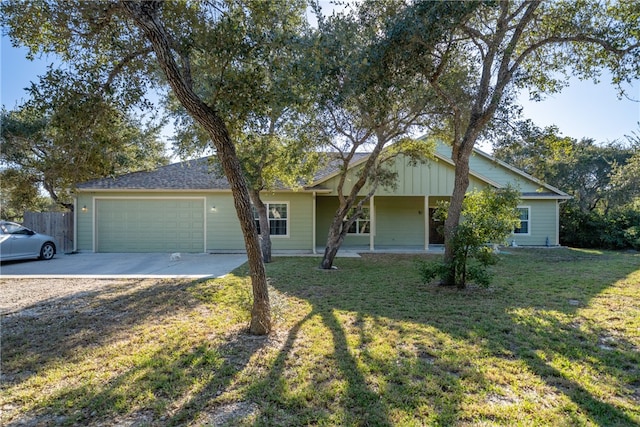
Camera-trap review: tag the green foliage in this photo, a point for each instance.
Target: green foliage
(69, 132)
(632, 236)
(18, 194)
(614, 229)
(489, 217)
(499, 48)
(602, 178)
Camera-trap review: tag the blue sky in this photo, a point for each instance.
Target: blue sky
(581, 110)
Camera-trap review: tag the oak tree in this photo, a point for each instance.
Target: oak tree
(510, 45)
(131, 46)
(364, 104)
(69, 131)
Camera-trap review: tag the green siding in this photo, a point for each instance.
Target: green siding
(542, 224)
(436, 177)
(149, 225)
(492, 170)
(223, 232)
(399, 221)
(326, 209)
(223, 228)
(84, 223)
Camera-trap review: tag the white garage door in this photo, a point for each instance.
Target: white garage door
(150, 225)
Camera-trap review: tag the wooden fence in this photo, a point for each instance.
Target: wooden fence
(56, 224)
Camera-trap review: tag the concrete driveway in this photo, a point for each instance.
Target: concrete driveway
(156, 265)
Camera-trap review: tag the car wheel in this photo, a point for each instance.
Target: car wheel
(47, 251)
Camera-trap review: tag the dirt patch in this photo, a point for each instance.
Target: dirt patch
(25, 294)
(52, 318)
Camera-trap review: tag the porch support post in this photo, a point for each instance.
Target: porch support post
(426, 223)
(75, 224)
(557, 223)
(313, 224)
(372, 225)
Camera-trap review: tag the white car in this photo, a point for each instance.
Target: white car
(18, 242)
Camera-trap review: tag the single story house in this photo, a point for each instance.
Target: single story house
(184, 207)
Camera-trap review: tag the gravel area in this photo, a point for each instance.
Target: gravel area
(60, 315)
(20, 294)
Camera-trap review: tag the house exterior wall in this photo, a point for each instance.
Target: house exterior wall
(400, 221)
(222, 228)
(326, 207)
(400, 214)
(436, 178)
(492, 170)
(543, 223)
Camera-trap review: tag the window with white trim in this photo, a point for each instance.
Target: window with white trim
(525, 221)
(278, 214)
(362, 225)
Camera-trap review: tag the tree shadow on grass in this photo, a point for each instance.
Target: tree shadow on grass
(483, 319)
(352, 400)
(166, 374)
(61, 329)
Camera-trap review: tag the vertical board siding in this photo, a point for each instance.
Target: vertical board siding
(399, 221)
(435, 177)
(56, 224)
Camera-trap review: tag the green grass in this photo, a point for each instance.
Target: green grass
(555, 340)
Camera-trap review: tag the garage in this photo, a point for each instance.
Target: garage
(150, 225)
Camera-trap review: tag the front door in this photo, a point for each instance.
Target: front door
(436, 236)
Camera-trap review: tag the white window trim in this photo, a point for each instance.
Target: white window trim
(279, 236)
(362, 219)
(528, 233)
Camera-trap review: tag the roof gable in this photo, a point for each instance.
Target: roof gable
(436, 177)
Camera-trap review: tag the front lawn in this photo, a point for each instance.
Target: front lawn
(555, 340)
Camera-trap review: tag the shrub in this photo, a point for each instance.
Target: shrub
(489, 216)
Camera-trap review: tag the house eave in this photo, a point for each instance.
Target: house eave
(561, 194)
(546, 197)
(450, 162)
(194, 190)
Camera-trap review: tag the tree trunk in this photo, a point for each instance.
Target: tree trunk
(146, 18)
(263, 219)
(335, 237)
(461, 183)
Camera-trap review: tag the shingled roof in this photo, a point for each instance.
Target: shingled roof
(195, 174)
(188, 175)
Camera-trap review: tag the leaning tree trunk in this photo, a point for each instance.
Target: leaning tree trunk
(145, 15)
(263, 219)
(335, 237)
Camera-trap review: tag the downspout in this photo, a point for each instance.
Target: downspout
(372, 226)
(426, 223)
(93, 222)
(75, 224)
(314, 225)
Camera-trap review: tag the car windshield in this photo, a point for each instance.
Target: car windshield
(11, 228)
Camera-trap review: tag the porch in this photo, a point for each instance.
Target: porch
(390, 224)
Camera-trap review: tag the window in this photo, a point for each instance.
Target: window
(524, 221)
(278, 214)
(362, 225)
